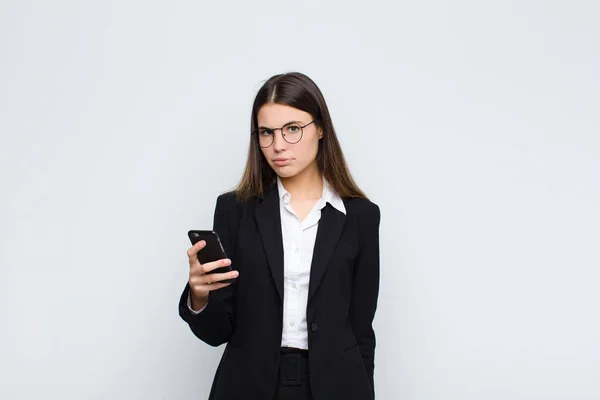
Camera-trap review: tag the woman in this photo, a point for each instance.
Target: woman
(303, 243)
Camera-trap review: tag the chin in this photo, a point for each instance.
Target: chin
(285, 174)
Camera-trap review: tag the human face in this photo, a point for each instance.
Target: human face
(287, 159)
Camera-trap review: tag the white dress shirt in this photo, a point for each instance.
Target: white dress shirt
(298, 246)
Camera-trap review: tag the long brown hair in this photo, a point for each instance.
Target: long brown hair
(299, 91)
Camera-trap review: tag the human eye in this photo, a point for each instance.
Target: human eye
(293, 128)
(265, 132)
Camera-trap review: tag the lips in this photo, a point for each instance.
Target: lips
(281, 161)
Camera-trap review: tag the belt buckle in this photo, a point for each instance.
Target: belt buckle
(290, 370)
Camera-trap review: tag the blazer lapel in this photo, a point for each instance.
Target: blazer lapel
(268, 218)
(329, 232)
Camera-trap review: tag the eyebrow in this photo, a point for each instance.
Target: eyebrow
(289, 122)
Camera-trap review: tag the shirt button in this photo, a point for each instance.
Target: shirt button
(297, 249)
(292, 323)
(294, 285)
(314, 326)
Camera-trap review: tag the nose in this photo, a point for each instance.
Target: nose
(279, 142)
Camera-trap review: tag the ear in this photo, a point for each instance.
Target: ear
(320, 133)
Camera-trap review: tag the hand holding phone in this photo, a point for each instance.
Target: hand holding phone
(210, 269)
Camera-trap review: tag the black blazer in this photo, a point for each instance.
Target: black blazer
(248, 314)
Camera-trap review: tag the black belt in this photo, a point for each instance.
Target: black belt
(293, 366)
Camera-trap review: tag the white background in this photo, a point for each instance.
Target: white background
(474, 125)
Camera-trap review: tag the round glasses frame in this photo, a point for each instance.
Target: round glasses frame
(256, 132)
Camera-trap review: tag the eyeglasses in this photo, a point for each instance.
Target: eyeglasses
(291, 132)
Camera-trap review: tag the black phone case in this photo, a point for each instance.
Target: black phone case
(213, 250)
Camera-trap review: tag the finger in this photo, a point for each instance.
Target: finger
(200, 269)
(192, 252)
(206, 279)
(216, 286)
(217, 278)
(210, 266)
(209, 287)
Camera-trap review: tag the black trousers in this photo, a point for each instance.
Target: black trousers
(293, 383)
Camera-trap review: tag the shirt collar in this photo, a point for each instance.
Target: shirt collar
(328, 196)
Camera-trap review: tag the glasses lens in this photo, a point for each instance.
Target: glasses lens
(292, 133)
(265, 137)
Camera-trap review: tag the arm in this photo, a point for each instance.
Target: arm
(189, 304)
(214, 325)
(365, 288)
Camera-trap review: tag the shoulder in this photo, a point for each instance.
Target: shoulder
(363, 208)
(227, 202)
(233, 200)
(368, 217)
(227, 198)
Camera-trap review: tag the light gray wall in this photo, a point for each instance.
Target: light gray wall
(474, 125)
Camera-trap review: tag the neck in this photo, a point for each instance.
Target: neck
(308, 184)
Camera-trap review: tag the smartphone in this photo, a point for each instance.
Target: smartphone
(213, 250)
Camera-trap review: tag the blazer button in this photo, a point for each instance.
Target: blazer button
(314, 326)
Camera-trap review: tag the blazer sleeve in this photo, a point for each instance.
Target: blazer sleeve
(215, 324)
(366, 287)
